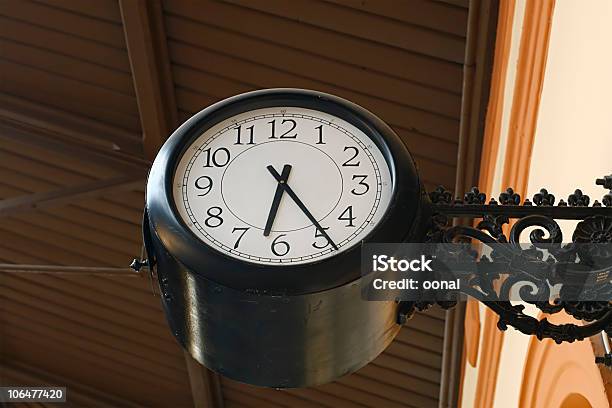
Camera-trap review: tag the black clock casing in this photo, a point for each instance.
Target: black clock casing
(276, 325)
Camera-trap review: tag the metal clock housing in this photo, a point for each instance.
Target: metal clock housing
(286, 324)
(395, 224)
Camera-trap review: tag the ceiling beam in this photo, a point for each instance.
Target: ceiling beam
(67, 195)
(147, 48)
(205, 384)
(146, 41)
(74, 127)
(477, 74)
(28, 122)
(477, 71)
(68, 270)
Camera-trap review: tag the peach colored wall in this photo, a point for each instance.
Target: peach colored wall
(572, 147)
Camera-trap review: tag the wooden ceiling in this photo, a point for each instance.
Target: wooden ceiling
(88, 91)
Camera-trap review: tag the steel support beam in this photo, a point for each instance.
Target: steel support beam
(68, 270)
(68, 194)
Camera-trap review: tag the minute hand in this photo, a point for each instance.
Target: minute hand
(300, 204)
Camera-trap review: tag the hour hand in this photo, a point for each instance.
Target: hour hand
(285, 186)
(282, 179)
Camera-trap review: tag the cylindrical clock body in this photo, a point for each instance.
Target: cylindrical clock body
(271, 294)
(273, 340)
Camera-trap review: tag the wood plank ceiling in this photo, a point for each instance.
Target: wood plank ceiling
(72, 165)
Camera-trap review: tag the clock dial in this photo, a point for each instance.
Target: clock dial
(282, 186)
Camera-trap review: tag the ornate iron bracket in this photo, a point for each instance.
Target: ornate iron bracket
(595, 226)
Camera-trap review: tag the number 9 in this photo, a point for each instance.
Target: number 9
(206, 186)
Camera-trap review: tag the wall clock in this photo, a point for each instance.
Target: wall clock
(256, 210)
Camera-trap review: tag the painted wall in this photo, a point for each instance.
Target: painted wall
(573, 144)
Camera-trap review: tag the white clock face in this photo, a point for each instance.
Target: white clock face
(282, 186)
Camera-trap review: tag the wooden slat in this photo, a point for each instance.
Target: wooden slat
(217, 20)
(97, 222)
(80, 26)
(426, 322)
(388, 392)
(321, 398)
(67, 194)
(99, 9)
(359, 395)
(148, 332)
(59, 333)
(267, 397)
(60, 131)
(403, 380)
(338, 75)
(69, 362)
(91, 252)
(411, 353)
(65, 66)
(420, 339)
(21, 374)
(457, 3)
(47, 248)
(146, 40)
(402, 365)
(88, 100)
(95, 169)
(423, 13)
(362, 25)
(120, 245)
(65, 44)
(40, 171)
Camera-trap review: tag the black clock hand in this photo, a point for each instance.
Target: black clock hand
(300, 204)
(277, 198)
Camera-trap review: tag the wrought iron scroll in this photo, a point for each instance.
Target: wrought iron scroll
(542, 212)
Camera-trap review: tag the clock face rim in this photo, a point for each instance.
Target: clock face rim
(178, 240)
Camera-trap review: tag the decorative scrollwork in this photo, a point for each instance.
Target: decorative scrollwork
(512, 315)
(494, 226)
(597, 230)
(536, 273)
(537, 236)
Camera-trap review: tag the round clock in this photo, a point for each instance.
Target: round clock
(256, 209)
(282, 186)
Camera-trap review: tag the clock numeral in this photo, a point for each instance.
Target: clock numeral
(285, 135)
(347, 215)
(320, 129)
(319, 234)
(214, 219)
(219, 157)
(366, 186)
(349, 162)
(244, 230)
(238, 135)
(280, 248)
(205, 186)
